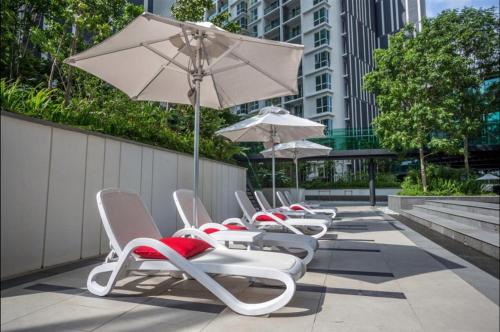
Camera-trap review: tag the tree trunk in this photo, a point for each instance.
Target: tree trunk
(422, 169)
(54, 64)
(466, 155)
(69, 81)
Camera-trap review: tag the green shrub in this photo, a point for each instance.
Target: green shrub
(442, 181)
(115, 114)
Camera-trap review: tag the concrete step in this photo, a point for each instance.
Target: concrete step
(481, 240)
(484, 222)
(488, 209)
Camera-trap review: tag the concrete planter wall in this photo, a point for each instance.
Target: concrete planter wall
(50, 175)
(397, 203)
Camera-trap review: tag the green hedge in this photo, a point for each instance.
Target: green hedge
(442, 181)
(115, 114)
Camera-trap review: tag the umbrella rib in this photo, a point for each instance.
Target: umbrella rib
(188, 44)
(223, 55)
(220, 70)
(154, 41)
(166, 57)
(162, 68)
(213, 77)
(262, 71)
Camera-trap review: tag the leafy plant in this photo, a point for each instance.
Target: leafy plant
(115, 114)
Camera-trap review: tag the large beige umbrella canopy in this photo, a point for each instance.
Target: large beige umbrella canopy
(296, 150)
(161, 59)
(271, 126)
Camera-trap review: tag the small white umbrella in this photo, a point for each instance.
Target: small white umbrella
(296, 150)
(271, 126)
(161, 59)
(488, 177)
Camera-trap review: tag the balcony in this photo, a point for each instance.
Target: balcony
(271, 7)
(223, 8)
(292, 14)
(272, 25)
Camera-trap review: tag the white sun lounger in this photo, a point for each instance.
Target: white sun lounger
(290, 224)
(129, 225)
(265, 206)
(290, 242)
(290, 201)
(303, 207)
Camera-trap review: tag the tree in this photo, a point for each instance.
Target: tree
(473, 36)
(411, 81)
(74, 25)
(194, 11)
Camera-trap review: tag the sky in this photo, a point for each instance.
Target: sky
(434, 7)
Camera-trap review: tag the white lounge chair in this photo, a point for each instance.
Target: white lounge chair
(269, 218)
(265, 206)
(129, 226)
(290, 200)
(184, 202)
(302, 207)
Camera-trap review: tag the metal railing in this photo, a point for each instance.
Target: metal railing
(271, 7)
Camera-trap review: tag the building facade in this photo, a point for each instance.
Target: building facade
(339, 38)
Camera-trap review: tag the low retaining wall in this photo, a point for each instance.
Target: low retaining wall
(397, 203)
(336, 194)
(51, 173)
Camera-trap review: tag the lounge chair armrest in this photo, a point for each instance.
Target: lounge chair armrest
(233, 221)
(199, 234)
(302, 207)
(212, 225)
(277, 220)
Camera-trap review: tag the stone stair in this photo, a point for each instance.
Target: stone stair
(475, 224)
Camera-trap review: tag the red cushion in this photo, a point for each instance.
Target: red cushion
(236, 227)
(296, 208)
(265, 217)
(186, 247)
(229, 227)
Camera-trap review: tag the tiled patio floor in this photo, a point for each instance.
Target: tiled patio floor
(373, 274)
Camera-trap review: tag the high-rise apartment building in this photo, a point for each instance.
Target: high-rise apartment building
(339, 38)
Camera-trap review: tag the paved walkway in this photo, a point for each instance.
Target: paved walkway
(372, 274)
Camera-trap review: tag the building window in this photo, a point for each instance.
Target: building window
(320, 16)
(322, 59)
(243, 109)
(252, 106)
(321, 37)
(315, 2)
(328, 125)
(324, 104)
(255, 31)
(253, 14)
(323, 81)
(273, 102)
(243, 23)
(241, 8)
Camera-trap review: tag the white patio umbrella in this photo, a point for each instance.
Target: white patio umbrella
(161, 59)
(273, 125)
(296, 150)
(488, 177)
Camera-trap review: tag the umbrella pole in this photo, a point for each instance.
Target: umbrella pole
(274, 178)
(297, 175)
(197, 77)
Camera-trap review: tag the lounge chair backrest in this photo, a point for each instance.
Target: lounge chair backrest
(282, 198)
(125, 217)
(245, 204)
(183, 199)
(261, 199)
(288, 197)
